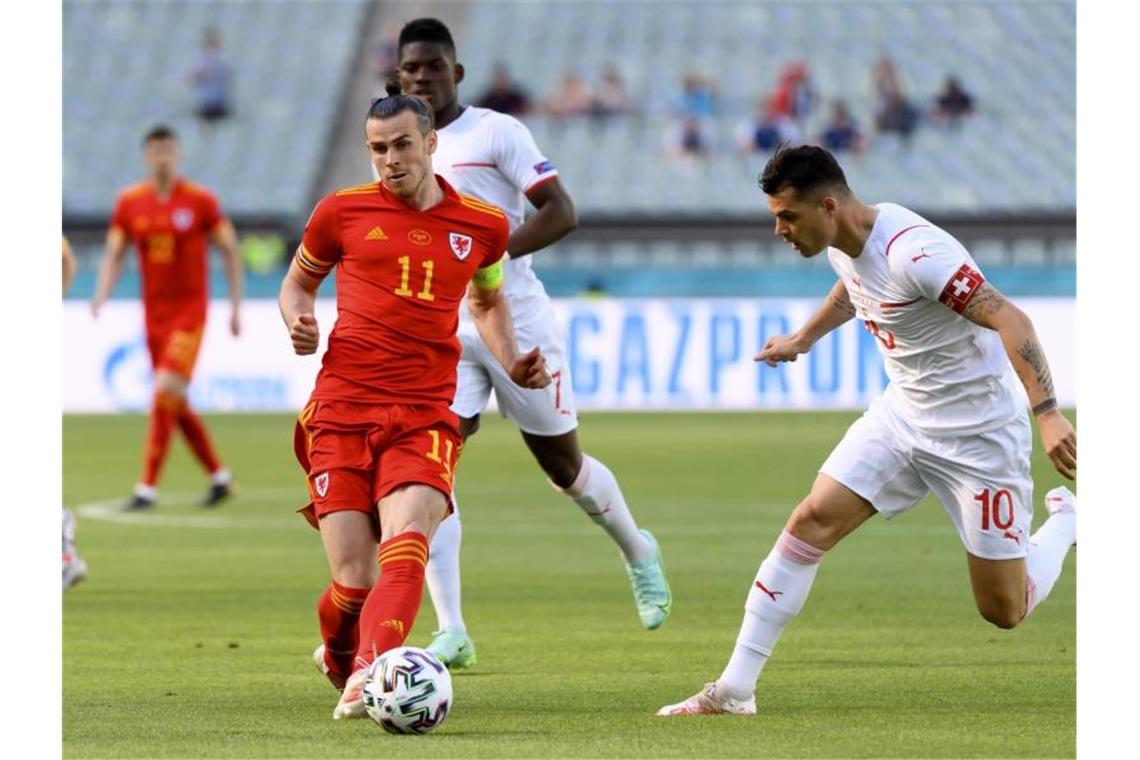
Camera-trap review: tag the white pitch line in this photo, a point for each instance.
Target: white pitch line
(111, 510)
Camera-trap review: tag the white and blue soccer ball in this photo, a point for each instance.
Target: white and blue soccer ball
(408, 691)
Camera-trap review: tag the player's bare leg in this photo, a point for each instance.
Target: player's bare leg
(830, 512)
(408, 518)
(1006, 591)
(349, 540)
(593, 487)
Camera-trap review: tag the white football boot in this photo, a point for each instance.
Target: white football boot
(711, 701)
(351, 704)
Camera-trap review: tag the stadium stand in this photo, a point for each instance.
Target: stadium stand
(1018, 60)
(1003, 179)
(127, 66)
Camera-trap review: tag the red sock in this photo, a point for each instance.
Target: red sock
(191, 426)
(163, 414)
(391, 607)
(339, 611)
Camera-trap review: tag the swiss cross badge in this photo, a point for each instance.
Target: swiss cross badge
(460, 245)
(321, 483)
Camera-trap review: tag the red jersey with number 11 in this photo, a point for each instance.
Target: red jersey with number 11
(401, 277)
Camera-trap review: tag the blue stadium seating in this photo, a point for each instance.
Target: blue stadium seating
(126, 65)
(1017, 59)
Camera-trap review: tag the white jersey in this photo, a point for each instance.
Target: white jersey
(910, 285)
(494, 157)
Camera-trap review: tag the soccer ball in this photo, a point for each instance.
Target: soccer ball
(407, 690)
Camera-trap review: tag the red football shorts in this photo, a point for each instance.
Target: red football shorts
(175, 350)
(356, 454)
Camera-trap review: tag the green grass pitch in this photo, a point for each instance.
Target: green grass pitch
(192, 636)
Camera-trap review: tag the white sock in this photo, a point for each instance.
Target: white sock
(1047, 550)
(221, 478)
(68, 531)
(597, 492)
(779, 591)
(442, 573)
(145, 491)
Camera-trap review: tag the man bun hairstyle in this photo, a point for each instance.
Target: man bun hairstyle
(395, 104)
(427, 30)
(807, 169)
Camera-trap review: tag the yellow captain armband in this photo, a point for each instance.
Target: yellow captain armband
(489, 278)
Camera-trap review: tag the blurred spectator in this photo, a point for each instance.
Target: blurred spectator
(612, 99)
(898, 116)
(771, 127)
(841, 134)
(212, 77)
(572, 97)
(503, 95)
(385, 51)
(688, 139)
(953, 103)
(795, 94)
(887, 82)
(895, 113)
(697, 96)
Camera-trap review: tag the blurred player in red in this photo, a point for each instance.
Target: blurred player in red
(378, 440)
(74, 568)
(172, 222)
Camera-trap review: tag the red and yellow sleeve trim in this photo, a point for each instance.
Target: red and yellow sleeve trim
(311, 264)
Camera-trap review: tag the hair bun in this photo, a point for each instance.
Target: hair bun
(392, 86)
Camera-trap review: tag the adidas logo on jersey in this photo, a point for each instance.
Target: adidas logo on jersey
(376, 234)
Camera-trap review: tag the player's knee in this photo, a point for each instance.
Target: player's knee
(170, 384)
(412, 509)
(811, 522)
(354, 572)
(561, 467)
(1003, 613)
(468, 426)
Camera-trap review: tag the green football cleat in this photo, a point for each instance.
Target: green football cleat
(454, 648)
(650, 588)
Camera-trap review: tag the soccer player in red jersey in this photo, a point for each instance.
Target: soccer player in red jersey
(171, 221)
(377, 440)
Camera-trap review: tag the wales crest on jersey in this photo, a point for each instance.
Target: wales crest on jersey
(460, 245)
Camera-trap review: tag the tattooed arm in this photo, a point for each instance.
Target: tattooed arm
(989, 308)
(833, 312)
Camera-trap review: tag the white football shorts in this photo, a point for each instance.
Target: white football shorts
(982, 479)
(547, 411)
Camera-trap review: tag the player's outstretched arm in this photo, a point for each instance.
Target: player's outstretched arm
(833, 312)
(114, 251)
(297, 300)
(226, 239)
(553, 219)
(492, 315)
(989, 308)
